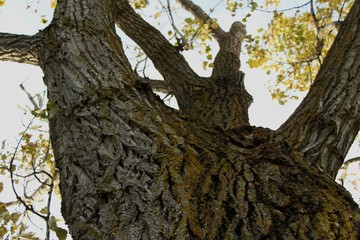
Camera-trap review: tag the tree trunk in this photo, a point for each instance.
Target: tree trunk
(132, 168)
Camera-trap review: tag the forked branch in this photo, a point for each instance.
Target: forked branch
(168, 61)
(227, 61)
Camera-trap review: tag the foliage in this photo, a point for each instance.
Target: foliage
(295, 43)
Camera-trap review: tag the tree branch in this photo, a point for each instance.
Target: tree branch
(195, 10)
(226, 71)
(181, 79)
(327, 121)
(19, 48)
(227, 61)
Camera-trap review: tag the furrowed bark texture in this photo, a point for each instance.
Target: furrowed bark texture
(132, 168)
(327, 121)
(19, 48)
(201, 99)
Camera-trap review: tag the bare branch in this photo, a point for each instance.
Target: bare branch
(32, 100)
(19, 48)
(283, 10)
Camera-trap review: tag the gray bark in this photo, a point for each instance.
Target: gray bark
(132, 168)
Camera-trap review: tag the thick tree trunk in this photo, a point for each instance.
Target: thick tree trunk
(132, 168)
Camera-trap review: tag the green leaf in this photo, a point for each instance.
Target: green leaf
(43, 20)
(44, 210)
(205, 64)
(188, 20)
(61, 233)
(52, 109)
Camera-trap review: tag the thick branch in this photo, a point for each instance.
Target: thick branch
(327, 121)
(19, 48)
(167, 60)
(227, 61)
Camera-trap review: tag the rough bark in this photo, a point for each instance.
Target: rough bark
(19, 48)
(326, 123)
(182, 79)
(132, 168)
(201, 99)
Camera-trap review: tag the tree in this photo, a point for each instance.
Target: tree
(132, 168)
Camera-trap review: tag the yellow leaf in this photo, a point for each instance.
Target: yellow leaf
(214, 25)
(15, 217)
(53, 4)
(13, 228)
(3, 231)
(44, 210)
(156, 15)
(2, 2)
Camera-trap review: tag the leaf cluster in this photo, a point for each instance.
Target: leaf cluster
(295, 44)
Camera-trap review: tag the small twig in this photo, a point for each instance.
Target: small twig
(313, 14)
(48, 209)
(169, 12)
(283, 10)
(30, 97)
(27, 207)
(341, 9)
